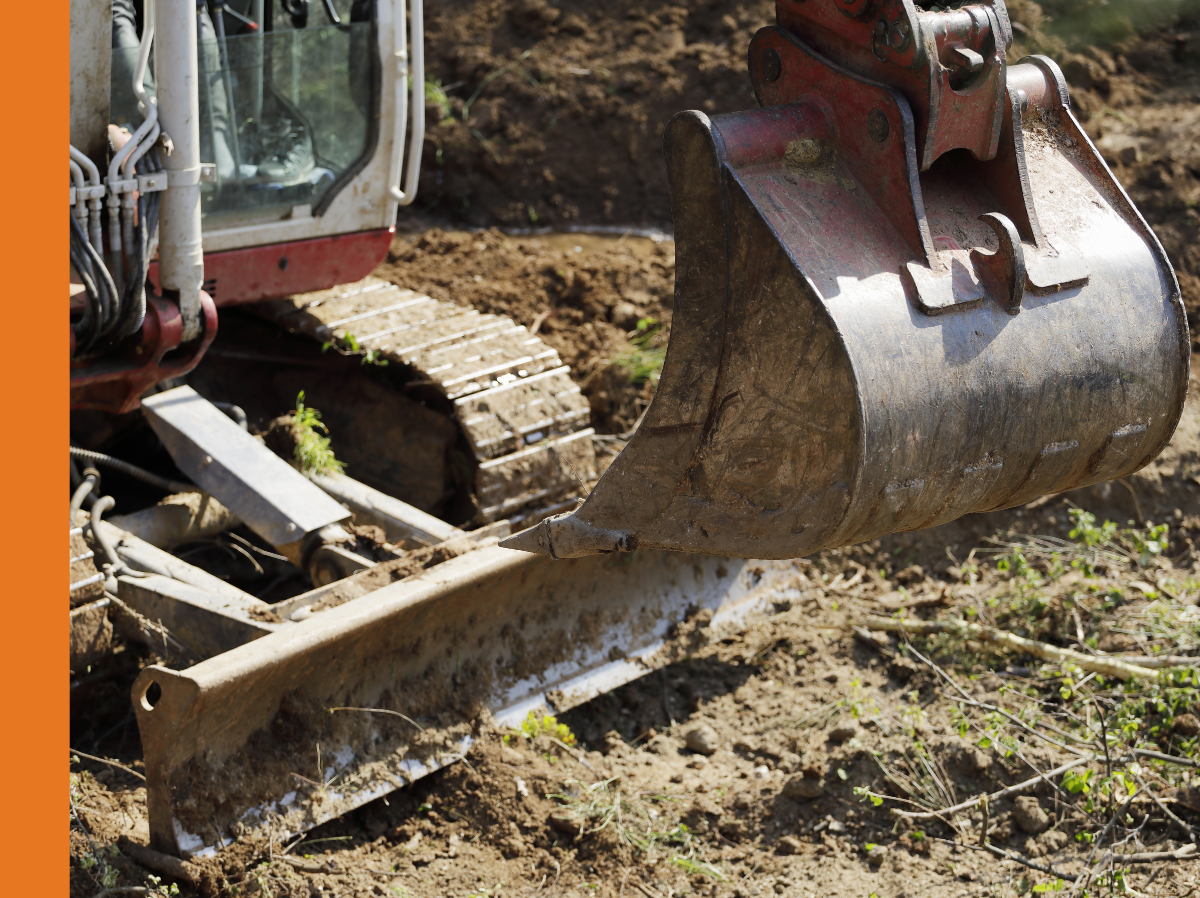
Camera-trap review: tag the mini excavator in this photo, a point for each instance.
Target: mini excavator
(908, 288)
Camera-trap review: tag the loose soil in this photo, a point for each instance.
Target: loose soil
(570, 135)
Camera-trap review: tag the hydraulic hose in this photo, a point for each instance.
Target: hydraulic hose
(95, 226)
(107, 461)
(91, 480)
(117, 564)
(81, 209)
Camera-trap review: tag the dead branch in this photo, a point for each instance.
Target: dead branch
(1166, 759)
(84, 754)
(994, 797)
(158, 862)
(1011, 856)
(1106, 665)
(1183, 853)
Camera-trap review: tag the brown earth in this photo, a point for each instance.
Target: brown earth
(570, 135)
(800, 709)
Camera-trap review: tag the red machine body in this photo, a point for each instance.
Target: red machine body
(115, 381)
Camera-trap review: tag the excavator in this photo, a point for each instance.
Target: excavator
(908, 288)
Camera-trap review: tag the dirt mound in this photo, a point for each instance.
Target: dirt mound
(555, 111)
(583, 294)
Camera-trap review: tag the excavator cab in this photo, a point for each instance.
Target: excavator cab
(907, 288)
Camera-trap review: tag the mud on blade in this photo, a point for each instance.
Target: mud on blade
(250, 739)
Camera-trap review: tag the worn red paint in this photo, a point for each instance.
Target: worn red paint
(115, 381)
(281, 269)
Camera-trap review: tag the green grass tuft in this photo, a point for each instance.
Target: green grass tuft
(313, 453)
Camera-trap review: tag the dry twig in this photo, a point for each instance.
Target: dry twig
(1106, 665)
(84, 754)
(993, 797)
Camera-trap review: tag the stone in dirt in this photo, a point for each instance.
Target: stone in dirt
(561, 822)
(1187, 725)
(803, 788)
(702, 739)
(877, 855)
(1029, 815)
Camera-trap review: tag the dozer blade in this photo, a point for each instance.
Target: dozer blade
(320, 717)
(862, 345)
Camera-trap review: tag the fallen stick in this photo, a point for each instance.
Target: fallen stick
(1107, 666)
(84, 754)
(158, 862)
(577, 755)
(995, 796)
(1183, 853)
(1011, 856)
(1166, 759)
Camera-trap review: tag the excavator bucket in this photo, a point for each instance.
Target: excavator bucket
(907, 288)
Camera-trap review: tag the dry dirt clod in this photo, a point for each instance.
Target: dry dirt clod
(789, 845)
(843, 733)
(1029, 816)
(702, 739)
(803, 788)
(561, 822)
(1187, 725)
(877, 855)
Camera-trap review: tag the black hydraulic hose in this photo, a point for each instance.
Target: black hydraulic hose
(106, 290)
(236, 412)
(107, 461)
(134, 302)
(84, 329)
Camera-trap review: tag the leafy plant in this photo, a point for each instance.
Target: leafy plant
(348, 344)
(644, 361)
(534, 726)
(436, 95)
(313, 452)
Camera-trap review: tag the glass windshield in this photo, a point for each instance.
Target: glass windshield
(284, 112)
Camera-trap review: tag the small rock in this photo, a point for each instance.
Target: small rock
(1187, 725)
(840, 734)
(744, 801)
(803, 788)
(625, 315)
(702, 739)
(762, 772)
(698, 763)
(561, 822)
(788, 845)
(522, 789)
(876, 855)
(511, 756)
(1029, 816)
(837, 827)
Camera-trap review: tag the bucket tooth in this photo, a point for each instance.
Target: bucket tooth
(846, 358)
